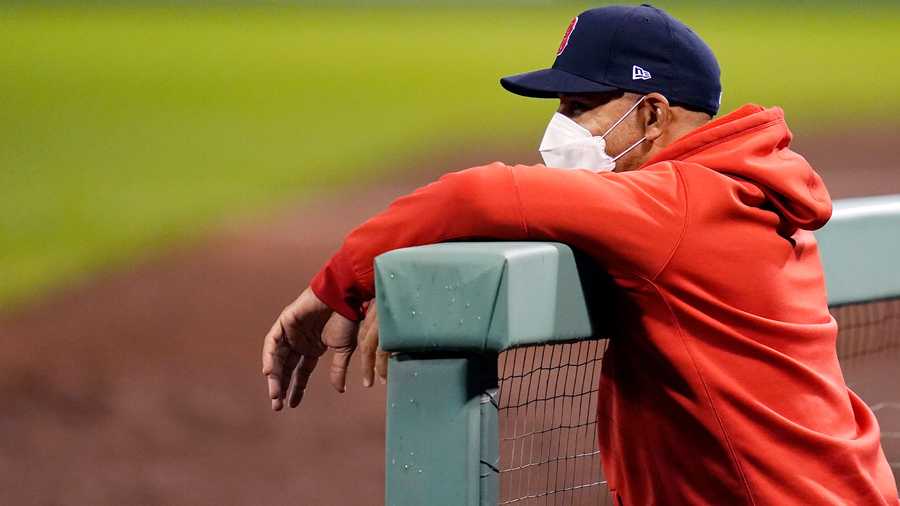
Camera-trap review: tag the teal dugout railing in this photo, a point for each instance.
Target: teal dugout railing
(448, 311)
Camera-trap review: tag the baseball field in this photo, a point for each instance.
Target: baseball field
(128, 130)
(171, 176)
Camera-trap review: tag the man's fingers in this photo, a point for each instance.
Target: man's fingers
(301, 378)
(339, 334)
(270, 345)
(367, 348)
(339, 364)
(274, 355)
(381, 365)
(368, 343)
(295, 393)
(298, 332)
(275, 393)
(366, 323)
(287, 371)
(280, 378)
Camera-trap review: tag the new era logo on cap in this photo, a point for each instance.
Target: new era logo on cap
(638, 73)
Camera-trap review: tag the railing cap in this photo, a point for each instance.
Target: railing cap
(479, 297)
(860, 249)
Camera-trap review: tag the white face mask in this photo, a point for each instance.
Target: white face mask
(568, 145)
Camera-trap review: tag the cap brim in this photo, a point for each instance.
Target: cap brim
(550, 83)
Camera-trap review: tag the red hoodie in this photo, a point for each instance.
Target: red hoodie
(721, 385)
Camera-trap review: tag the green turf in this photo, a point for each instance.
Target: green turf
(125, 129)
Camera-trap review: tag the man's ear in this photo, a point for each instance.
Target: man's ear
(656, 115)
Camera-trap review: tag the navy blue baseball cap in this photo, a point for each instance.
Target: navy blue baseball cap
(639, 49)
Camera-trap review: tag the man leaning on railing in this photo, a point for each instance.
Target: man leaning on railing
(724, 377)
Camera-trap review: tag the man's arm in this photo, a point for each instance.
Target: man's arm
(629, 223)
(476, 203)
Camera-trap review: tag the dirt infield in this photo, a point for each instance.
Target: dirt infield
(143, 387)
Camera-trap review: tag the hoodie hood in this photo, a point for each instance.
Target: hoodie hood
(753, 143)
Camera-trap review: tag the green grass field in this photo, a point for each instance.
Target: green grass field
(127, 129)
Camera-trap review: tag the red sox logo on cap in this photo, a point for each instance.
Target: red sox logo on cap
(565, 40)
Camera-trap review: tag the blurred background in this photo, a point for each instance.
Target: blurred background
(173, 173)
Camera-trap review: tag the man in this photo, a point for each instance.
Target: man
(723, 385)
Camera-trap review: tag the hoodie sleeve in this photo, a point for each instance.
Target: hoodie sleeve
(628, 222)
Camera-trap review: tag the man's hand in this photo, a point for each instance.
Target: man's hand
(304, 330)
(372, 358)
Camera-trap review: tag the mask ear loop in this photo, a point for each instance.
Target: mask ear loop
(629, 111)
(614, 125)
(623, 153)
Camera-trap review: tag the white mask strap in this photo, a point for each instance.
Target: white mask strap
(620, 155)
(614, 125)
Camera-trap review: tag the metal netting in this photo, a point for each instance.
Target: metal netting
(869, 349)
(547, 418)
(867, 329)
(548, 398)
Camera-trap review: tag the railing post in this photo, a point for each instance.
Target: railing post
(442, 443)
(446, 311)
